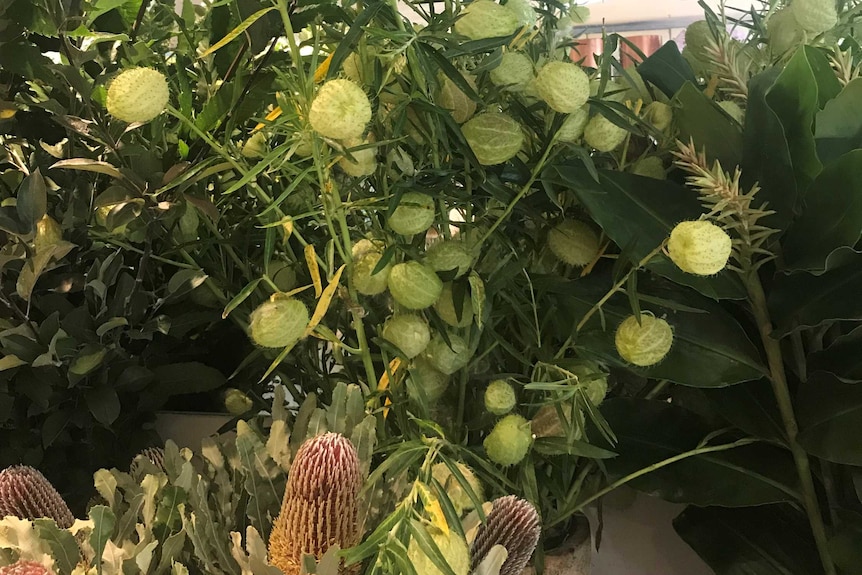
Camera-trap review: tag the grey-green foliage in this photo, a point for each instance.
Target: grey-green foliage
(212, 509)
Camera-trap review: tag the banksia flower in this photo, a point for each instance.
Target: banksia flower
(320, 507)
(25, 568)
(26, 494)
(156, 455)
(513, 523)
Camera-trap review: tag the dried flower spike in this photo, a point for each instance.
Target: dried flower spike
(26, 494)
(156, 456)
(513, 523)
(25, 568)
(320, 506)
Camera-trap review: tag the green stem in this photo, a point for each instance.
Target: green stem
(650, 469)
(617, 286)
(291, 39)
(778, 379)
(523, 192)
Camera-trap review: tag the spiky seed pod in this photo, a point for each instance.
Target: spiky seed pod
(26, 493)
(340, 111)
(563, 86)
(513, 523)
(486, 19)
(138, 95)
(643, 343)
(603, 135)
(320, 505)
(494, 137)
(156, 456)
(25, 568)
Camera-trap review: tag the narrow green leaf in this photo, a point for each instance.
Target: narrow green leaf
(240, 297)
(429, 547)
(236, 31)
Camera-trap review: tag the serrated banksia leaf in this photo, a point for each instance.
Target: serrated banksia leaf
(25, 568)
(320, 505)
(26, 493)
(513, 523)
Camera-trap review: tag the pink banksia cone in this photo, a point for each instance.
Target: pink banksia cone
(320, 505)
(156, 456)
(26, 494)
(513, 523)
(25, 568)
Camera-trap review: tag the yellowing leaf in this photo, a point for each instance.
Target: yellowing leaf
(10, 361)
(433, 508)
(324, 301)
(272, 116)
(311, 261)
(236, 31)
(383, 384)
(323, 69)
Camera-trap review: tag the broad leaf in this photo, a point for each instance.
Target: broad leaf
(64, 548)
(831, 223)
(749, 406)
(765, 540)
(638, 214)
(842, 358)
(794, 99)
(766, 154)
(32, 199)
(710, 349)
(667, 69)
(804, 300)
(698, 118)
(652, 431)
(830, 419)
(845, 546)
(839, 124)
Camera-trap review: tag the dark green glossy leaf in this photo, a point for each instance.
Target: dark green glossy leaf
(766, 154)
(651, 431)
(700, 119)
(804, 300)
(845, 545)
(831, 222)
(667, 69)
(841, 359)
(638, 214)
(749, 406)
(765, 540)
(32, 199)
(104, 404)
(709, 349)
(839, 124)
(794, 99)
(830, 419)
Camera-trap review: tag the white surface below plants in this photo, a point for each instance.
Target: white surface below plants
(640, 540)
